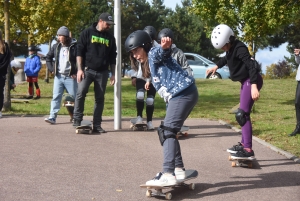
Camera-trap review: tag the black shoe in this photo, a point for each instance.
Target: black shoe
(76, 122)
(295, 132)
(29, 97)
(243, 154)
(236, 148)
(98, 130)
(37, 97)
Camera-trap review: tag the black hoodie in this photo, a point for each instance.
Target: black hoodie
(240, 63)
(4, 60)
(97, 48)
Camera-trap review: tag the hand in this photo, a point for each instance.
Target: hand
(112, 80)
(211, 70)
(73, 76)
(297, 51)
(166, 43)
(254, 92)
(133, 82)
(80, 76)
(147, 86)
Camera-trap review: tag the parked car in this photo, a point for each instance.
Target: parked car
(200, 64)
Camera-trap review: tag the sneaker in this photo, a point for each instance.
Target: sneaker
(150, 126)
(50, 120)
(98, 130)
(29, 97)
(162, 179)
(236, 148)
(179, 174)
(243, 154)
(139, 120)
(0, 114)
(37, 97)
(76, 122)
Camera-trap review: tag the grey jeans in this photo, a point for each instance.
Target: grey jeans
(178, 110)
(100, 82)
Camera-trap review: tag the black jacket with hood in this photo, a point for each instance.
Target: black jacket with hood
(97, 48)
(240, 63)
(5, 60)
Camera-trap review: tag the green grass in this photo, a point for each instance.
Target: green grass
(273, 117)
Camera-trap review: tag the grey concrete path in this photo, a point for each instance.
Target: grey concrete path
(39, 161)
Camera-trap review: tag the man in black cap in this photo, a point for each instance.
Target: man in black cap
(96, 52)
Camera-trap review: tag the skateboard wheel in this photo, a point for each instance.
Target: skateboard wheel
(229, 158)
(145, 129)
(185, 134)
(77, 131)
(168, 196)
(250, 165)
(134, 129)
(148, 193)
(233, 164)
(90, 131)
(192, 186)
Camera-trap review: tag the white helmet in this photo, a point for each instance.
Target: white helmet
(15, 63)
(220, 35)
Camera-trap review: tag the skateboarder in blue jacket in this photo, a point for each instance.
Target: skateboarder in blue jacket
(245, 70)
(178, 90)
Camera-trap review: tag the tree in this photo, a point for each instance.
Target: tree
(279, 70)
(252, 20)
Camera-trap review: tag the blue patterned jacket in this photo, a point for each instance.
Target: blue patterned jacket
(168, 77)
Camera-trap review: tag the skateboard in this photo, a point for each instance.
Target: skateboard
(19, 100)
(68, 102)
(190, 174)
(138, 127)
(241, 162)
(84, 128)
(183, 132)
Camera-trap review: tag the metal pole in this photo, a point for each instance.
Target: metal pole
(117, 88)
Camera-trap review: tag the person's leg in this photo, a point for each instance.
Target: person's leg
(99, 89)
(2, 84)
(150, 102)
(58, 90)
(178, 110)
(37, 90)
(71, 86)
(246, 103)
(140, 95)
(83, 88)
(297, 109)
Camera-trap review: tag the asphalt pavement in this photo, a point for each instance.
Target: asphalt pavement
(39, 161)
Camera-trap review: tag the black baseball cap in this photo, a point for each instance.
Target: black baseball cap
(107, 18)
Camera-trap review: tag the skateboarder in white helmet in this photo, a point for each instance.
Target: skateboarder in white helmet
(15, 66)
(244, 69)
(178, 90)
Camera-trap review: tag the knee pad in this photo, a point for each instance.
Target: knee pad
(140, 95)
(149, 101)
(161, 134)
(241, 117)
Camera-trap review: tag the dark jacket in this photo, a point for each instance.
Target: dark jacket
(54, 53)
(240, 63)
(97, 48)
(5, 60)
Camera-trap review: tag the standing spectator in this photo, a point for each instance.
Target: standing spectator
(15, 66)
(32, 68)
(5, 55)
(96, 51)
(245, 70)
(297, 96)
(64, 70)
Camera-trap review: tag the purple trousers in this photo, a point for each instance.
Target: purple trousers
(246, 103)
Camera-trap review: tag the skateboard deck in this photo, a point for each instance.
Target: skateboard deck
(241, 162)
(190, 174)
(138, 127)
(19, 100)
(84, 128)
(68, 102)
(183, 132)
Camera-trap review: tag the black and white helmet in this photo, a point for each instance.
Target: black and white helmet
(33, 48)
(221, 35)
(138, 38)
(151, 31)
(166, 32)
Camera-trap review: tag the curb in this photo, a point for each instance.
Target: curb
(263, 142)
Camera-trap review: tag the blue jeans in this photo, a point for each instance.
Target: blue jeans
(61, 82)
(100, 82)
(179, 108)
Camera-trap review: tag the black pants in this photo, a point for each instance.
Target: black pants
(2, 84)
